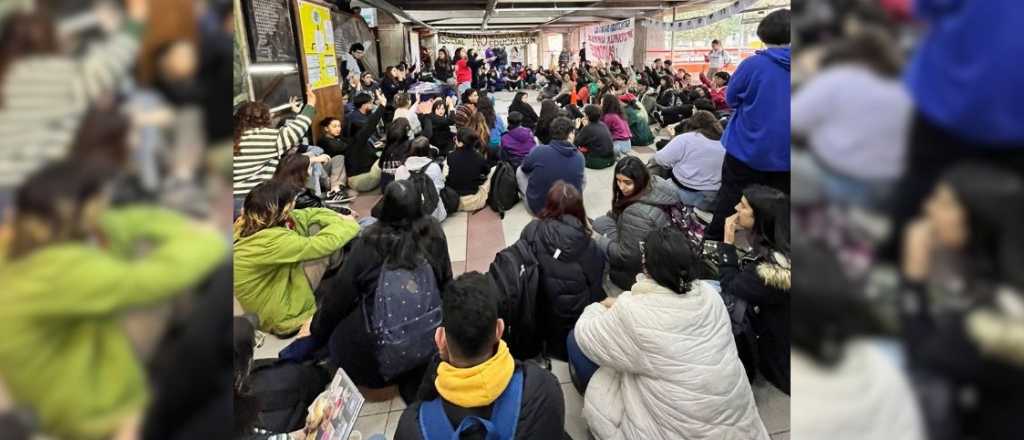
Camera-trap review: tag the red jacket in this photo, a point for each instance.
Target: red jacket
(462, 72)
(717, 94)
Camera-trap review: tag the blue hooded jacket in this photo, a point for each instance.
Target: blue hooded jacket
(758, 133)
(963, 76)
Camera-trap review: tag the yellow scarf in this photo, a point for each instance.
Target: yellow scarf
(476, 386)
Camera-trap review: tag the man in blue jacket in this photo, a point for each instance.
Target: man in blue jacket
(756, 140)
(547, 164)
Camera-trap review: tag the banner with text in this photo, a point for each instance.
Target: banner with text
(704, 20)
(610, 42)
(481, 41)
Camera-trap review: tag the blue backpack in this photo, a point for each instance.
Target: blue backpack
(406, 311)
(434, 423)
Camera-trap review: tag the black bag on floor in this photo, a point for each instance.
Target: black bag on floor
(504, 189)
(516, 273)
(450, 199)
(285, 389)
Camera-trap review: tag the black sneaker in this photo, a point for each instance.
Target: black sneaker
(339, 197)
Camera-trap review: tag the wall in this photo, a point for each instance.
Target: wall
(392, 38)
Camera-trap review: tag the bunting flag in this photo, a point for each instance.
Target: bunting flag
(697, 22)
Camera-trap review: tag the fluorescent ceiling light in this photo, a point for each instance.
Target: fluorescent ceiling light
(268, 68)
(566, 8)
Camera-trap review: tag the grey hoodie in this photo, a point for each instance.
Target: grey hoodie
(635, 222)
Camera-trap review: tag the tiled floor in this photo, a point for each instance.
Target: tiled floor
(473, 240)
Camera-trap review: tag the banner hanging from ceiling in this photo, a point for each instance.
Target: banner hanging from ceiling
(703, 20)
(455, 40)
(610, 42)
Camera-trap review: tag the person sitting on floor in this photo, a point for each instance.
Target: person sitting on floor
(639, 124)
(421, 160)
(615, 118)
(638, 202)
(518, 141)
(571, 264)
(595, 140)
(695, 158)
(547, 164)
(468, 172)
(280, 257)
(403, 239)
(659, 361)
(361, 163)
(477, 388)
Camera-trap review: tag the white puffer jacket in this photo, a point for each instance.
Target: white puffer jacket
(669, 368)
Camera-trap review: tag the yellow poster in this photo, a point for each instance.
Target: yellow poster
(318, 45)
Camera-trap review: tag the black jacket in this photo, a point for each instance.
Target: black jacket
(306, 199)
(541, 415)
(569, 282)
(333, 146)
(529, 114)
(764, 283)
(361, 155)
(440, 132)
(339, 322)
(442, 69)
(597, 139)
(467, 170)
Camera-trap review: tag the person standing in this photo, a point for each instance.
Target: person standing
(718, 59)
(757, 139)
(352, 62)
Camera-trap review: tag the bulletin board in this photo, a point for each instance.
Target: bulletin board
(318, 45)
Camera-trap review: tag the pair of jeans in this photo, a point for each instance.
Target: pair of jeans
(703, 200)
(622, 147)
(581, 367)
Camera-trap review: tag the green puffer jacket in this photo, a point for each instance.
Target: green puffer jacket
(63, 353)
(639, 126)
(269, 280)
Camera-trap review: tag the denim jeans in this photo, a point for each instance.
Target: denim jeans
(579, 363)
(703, 200)
(622, 147)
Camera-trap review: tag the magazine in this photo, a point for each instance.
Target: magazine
(336, 409)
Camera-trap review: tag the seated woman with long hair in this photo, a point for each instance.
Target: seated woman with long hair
(572, 266)
(762, 280)
(294, 170)
(71, 272)
(468, 171)
(660, 361)
(278, 258)
(638, 202)
(396, 149)
(403, 238)
(695, 159)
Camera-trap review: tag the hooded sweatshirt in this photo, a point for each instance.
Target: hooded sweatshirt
(758, 133)
(518, 142)
(957, 76)
(547, 164)
(433, 170)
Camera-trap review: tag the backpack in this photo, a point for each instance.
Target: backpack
(516, 272)
(425, 186)
(285, 389)
(450, 198)
(504, 189)
(435, 425)
(406, 311)
(685, 219)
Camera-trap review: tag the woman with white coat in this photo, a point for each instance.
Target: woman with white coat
(664, 354)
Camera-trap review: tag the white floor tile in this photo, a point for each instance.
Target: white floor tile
(397, 404)
(772, 405)
(271, 346)
(374, 408)
(392, 426)
(561, 371)
(577, 428)
(370, 425)
(456, 247)
(573, 401)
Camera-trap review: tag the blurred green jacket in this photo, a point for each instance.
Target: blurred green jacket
(269, 280)
(63, 352)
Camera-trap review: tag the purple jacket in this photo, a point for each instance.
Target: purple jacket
(518, 142)
(618, 126)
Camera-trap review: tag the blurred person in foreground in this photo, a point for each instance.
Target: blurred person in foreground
(44, 94)
(846, 385)
(968, 103)
(963, 304)
(71, 271)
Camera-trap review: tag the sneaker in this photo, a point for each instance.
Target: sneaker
(339, 197)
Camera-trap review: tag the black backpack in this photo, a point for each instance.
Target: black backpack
(516, 273)
(504, 189)
(425, 186)
(285, 389)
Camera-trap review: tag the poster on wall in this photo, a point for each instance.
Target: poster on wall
(270, 31)
(610, 42)
(514, 44)
(318, 45)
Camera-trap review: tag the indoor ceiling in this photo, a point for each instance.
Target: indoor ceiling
(524, 15)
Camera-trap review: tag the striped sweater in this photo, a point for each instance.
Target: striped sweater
(262, 148)
(44, 98)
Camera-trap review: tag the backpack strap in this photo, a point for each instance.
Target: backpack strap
(434, 423)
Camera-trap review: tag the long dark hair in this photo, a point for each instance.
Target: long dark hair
(23, 34)
(610, 104)
(402, 233)
(250, 114)
(706, 124)
(666, 256)
(565, 199)
(633, 168)
(397, 142)
(264, 206)
(771, 216)
(444, 51)
(49, 205)
(458, 54)
(518, 97)
(470, 139)
(548, 112)
(293, 169)
(485, 106)
(993, 199)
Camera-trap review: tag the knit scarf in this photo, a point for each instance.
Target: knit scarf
(479, 385)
